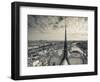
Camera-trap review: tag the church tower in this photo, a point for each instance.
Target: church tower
(65, 52)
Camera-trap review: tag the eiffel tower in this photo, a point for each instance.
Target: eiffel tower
(65, 52)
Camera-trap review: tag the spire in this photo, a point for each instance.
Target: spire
(65, 46)
(65, 56)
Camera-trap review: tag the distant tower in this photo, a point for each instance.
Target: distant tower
(65, 56)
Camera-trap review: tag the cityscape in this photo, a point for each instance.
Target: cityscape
(49, 53)
(55, 51)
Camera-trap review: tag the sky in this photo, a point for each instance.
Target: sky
(41, 27)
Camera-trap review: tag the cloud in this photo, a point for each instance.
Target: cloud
(54, 26)
(44, 23)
